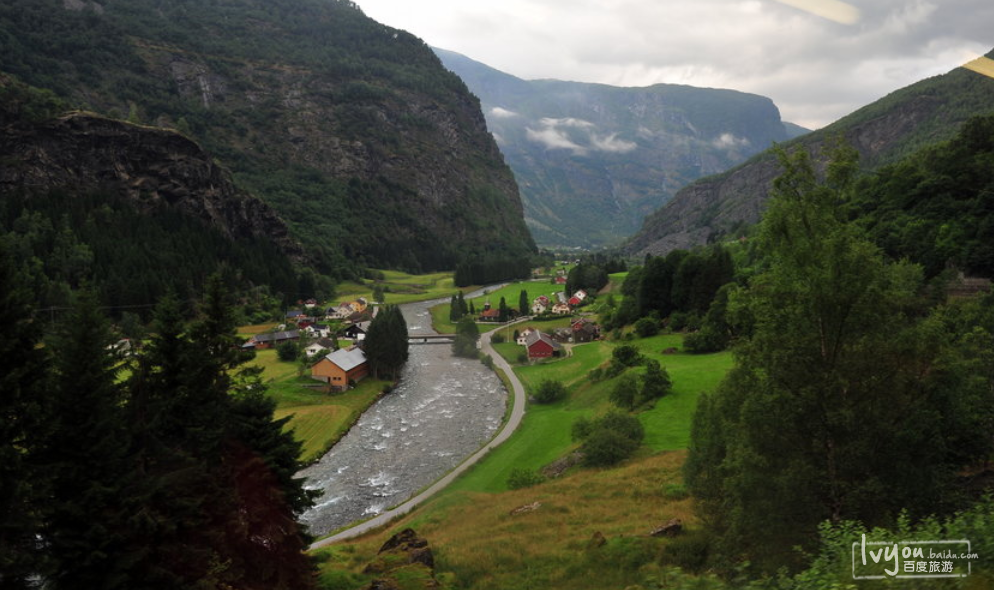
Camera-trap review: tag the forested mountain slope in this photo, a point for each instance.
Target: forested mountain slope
(883, 132)
(132, 211)
(370, 150)
(592, 160)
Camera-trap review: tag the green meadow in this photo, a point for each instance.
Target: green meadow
(545, 433)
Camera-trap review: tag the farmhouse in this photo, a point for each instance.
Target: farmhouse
(585, 330)
(263, 341)
(341, 368)
(319, 345)
(541, 346)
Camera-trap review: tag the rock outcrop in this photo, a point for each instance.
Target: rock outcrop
(406, 556)
(153, 167)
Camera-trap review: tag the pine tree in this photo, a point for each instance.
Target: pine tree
(385, 344)
(523, 304)
(503, 311)
(23, 390)
(85, 451)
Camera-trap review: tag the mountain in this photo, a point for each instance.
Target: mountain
(131, 210)
(885, 131)
(592, 160)
(370, 150)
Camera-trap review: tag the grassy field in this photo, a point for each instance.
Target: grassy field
(401, 287)
(479, 544)
(545, 433)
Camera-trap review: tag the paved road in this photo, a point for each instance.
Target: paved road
(517, 413)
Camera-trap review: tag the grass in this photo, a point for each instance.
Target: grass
(317, 419)
(510, 293)
(400, 287)
(478, 544)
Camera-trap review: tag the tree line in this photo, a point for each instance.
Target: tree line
(164, 469)
(854, 397)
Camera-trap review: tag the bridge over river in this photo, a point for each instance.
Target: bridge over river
(430, 338)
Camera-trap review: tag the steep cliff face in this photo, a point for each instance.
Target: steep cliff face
(353, 131)
(153, 168)
(592, 160)
(921, 114)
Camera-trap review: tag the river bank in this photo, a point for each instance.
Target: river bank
(443, 410)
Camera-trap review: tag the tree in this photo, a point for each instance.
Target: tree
(550, 392)
(456, 308)
(624, 393)
(24, 388)
(655, 383)
(503, 311)
(385, 344)
(646, 327)
(467, 334)
(288, 351)
(608, 439)
(831, 411)
(85, 451)
(524, 307)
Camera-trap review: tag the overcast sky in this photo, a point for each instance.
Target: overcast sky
(817, 59)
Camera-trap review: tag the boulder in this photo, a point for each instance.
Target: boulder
(671, 528)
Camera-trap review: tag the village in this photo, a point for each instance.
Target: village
(331, 339)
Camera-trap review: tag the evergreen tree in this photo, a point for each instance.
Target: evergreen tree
(503, 311)
(385, 344)
(455, 309)
(467, 334)
(23, 390)
(524, 308)
(85, 452)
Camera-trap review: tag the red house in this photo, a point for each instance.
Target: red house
(540, 345)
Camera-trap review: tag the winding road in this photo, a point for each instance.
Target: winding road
(513, 421)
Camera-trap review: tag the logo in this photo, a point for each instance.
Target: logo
(876, 560)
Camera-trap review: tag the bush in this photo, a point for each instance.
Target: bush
(523, 478)
(606, 447)
(550, 392)
(487, 361)
(609, 439)
(288, 351)
(646, 327)
(522, 358)
(497, 338)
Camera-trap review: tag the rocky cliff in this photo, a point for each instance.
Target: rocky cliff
(353, 131)
(592, 160)
(153, 168)
(921, 114)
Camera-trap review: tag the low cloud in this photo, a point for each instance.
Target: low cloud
(576, 135)
(611, 143)
(500, 113)
(728, 141)
(553, 138)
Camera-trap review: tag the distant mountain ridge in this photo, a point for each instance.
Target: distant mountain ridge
(923, 113)
(591, 160)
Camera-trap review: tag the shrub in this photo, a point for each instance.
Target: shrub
(646, 327)
(288, 351)
(497, 338)
(524, 478)
(522, 358)
(609, 439)
(550, 392)
(606, 447)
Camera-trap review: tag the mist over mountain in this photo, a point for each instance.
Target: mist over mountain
(591, 160)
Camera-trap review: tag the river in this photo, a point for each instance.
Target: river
(442, 411)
